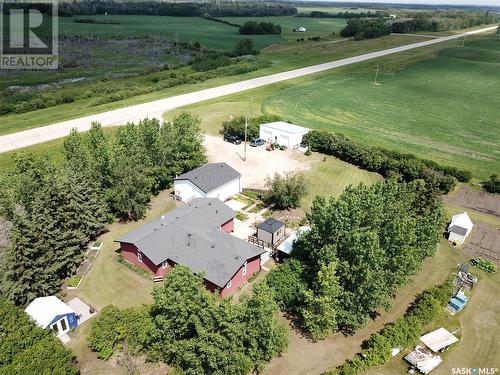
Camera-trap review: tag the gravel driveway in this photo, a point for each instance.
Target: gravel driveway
(259, 164)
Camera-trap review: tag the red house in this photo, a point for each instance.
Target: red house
(197, 236)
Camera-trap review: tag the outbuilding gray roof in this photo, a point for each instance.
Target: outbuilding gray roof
(458, 230)
(271, 225)
(191, 235)
(210, 176)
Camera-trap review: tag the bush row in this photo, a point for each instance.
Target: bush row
(386, 162)
(242, 67)
(402, 333)
(484, 264)
(236, 126)
(21, 102)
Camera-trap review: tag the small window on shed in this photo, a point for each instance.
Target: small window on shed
(164, 265)
(228, 285)
(244, 269)
(139, 256)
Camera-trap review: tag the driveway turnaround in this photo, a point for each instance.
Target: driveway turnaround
(156, 108)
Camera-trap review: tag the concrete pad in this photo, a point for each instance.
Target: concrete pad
(235, 205)
(81, 309)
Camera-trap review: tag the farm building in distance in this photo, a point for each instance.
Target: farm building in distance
(212, 180)
(283, 133)
(459, 228)
(51, 312)
(195, 235)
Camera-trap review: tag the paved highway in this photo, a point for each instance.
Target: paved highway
(158, 107)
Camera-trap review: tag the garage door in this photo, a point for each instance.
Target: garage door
(284, 140)
(266, 135)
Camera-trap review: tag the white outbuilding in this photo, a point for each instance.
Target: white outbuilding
(52, 313)
(212, 180)
(459, 228)
(283, 133)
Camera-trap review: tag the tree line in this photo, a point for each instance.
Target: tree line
(50, 212)
(403, 333)
(26, 348)
(156, 8)
(346, 14)
(191, 329)
(362, 247)
(259, 28)
(369, 28)
(388, 163)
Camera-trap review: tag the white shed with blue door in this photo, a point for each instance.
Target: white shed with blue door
(52, 313)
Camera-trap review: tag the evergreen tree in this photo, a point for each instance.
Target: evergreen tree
(99, 149)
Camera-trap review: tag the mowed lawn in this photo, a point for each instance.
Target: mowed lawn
(208, 33)
(445, 108)
(110, 282)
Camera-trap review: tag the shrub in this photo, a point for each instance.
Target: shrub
(286, 281)
(484, 265)
(236, 126)
(255, 28)
(286, 190)
(114, 327)
(492, 185)
(244, 47)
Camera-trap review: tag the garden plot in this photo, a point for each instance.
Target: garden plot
(485, 243)
(477, 200)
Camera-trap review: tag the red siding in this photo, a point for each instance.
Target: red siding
(253, 266)
(129, 252)
(228, 227)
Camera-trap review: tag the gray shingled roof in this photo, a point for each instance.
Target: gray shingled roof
(190, 235)
(210, 176)
(271, 225)
(458, 230)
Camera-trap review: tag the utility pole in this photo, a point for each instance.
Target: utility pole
(375, 83)
(251, 107)
(245, 146)
(463, 42)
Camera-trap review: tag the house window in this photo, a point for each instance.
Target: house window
(245, 269)
(164, 265)
(139, 256)
(64, 327)
(228, 285)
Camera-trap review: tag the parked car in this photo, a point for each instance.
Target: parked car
(254, 142)
(232, 138)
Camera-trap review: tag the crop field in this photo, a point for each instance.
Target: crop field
(208, 33)
(445, 108)
(322, 27)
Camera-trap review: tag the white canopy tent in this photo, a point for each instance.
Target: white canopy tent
(423, 360)
(438, 339)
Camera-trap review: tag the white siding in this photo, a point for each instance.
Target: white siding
(283, 137)
(186, 190)
(226, 191)
(456, 237)
(264, 236)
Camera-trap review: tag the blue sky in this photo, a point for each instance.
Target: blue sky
(447, 2)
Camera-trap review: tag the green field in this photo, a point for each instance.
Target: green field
(445, 108)
(208, 33)
(322, 27)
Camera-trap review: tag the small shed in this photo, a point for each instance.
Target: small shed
(283, 133)
(50, 312)
(438, 339)
(459, 228)
(271, 231)
(286, 247)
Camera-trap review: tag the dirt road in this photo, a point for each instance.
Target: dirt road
(158, 107)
